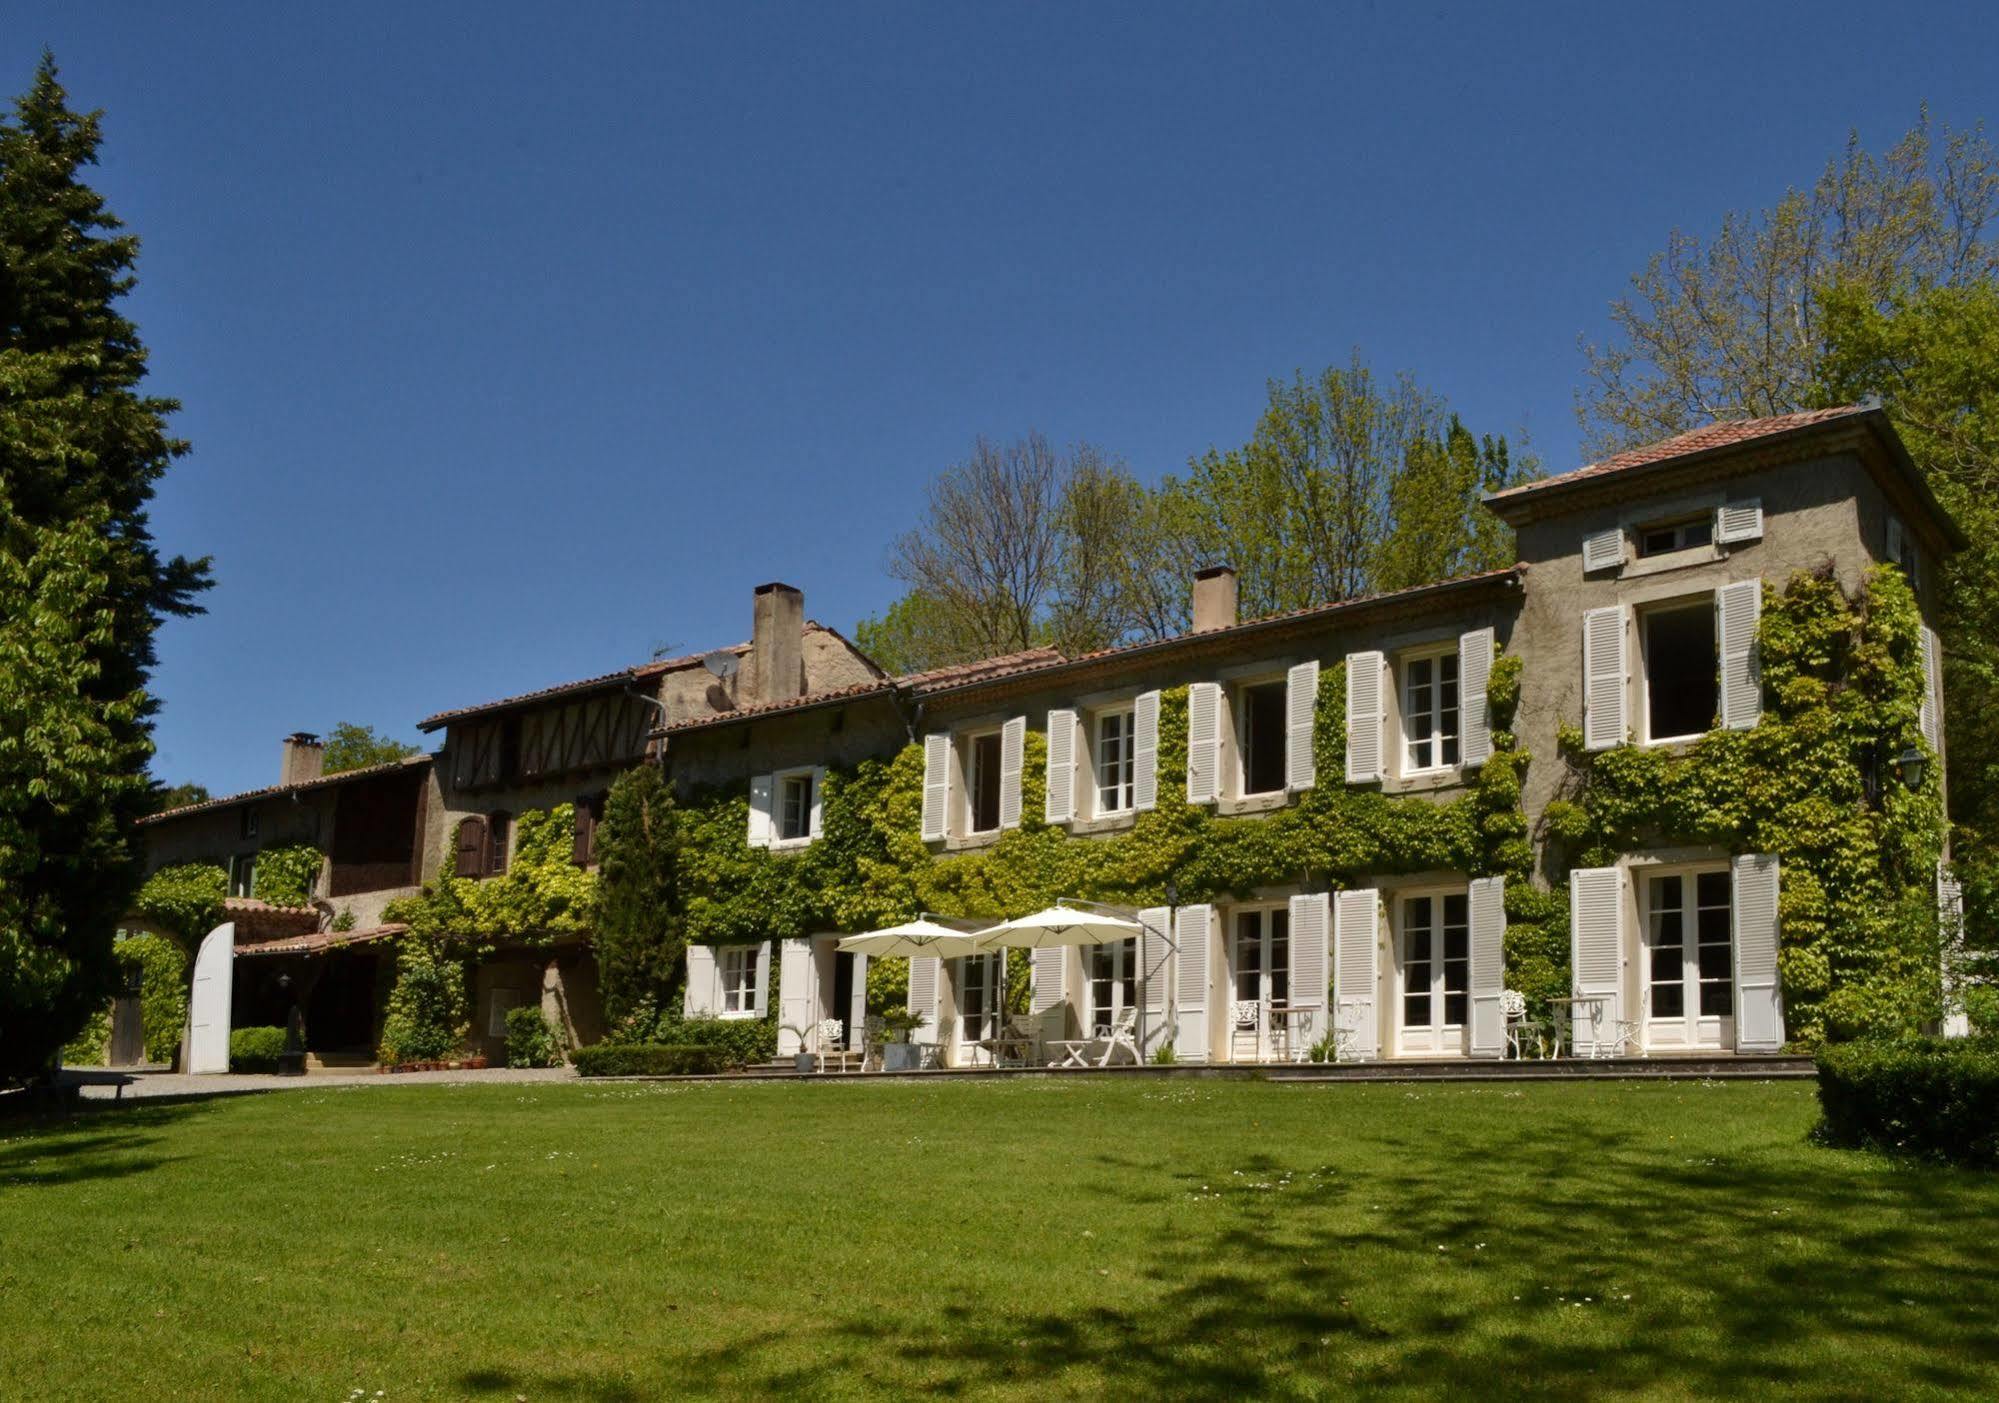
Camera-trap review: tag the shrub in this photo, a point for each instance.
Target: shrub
(91, 1047)
(426, 1018)
(1937, 1098)
(255, 1049)
(532, 1041)
(162, 971)
(646, 1059)
(738, 1041)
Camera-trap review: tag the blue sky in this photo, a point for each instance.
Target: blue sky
(515, 341)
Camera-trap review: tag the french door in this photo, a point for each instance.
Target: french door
(1113, 981)
(1689, 961)
(981, 985)
(1261, 960)
(1435, 971)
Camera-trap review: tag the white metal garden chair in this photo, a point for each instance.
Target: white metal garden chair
(1513, 1006)
(1122, 1034)
(833, 1048)
(1245, 1022)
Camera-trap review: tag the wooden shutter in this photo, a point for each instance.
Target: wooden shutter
(1194, 934)
(1145, 752)
(1155, 970)
(857, 1006)
(471, 858)
(936, 785)
(1604, 678)
(760, 817)
(1487, 903)
(1596, 946)
(1759, 1004)
(499, 833)
(1737, 522)
(1013, 755)
(1046, 970)
(1356, 972)
(924, 973)
(762, 1005)
(1931, 716)
(1301, 697)
(1603, 550)
(1474, 675)
(1204, 742)
(1737, 609)
(794, 992)
(583, 850)
(1311, 972)
(703, 995)
(1060, 804)
(818, 801)
(1950, 938)
(1364, 717)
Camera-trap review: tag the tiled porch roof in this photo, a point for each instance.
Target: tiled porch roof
(259, 920)
(318, 942)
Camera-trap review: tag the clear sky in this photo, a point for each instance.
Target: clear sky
(517, 340)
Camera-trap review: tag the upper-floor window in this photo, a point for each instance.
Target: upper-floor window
(1430, 711)
(247, 822)
(1678, 647)
(1116, 766)
(794, 807)
(982, 782)
(243, 875)
(499, 833)
(738, 967)
(1260, 736)
(1902, 549)
(1669, 536)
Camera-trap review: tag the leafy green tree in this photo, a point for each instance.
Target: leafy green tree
(640, 937)
(350, 746)
(1439, 526)
(162, 797)
(82, 586)
(915, 634)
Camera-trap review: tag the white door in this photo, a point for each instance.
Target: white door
(981, 986)
(1433, 970)
(1689, 976)
(1113, 982)
(1260, 973)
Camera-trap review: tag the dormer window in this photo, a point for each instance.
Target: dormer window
(1670, 536)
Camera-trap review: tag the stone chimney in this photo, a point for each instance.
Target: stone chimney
(777, 644)
(1214, 598)
(304, 759)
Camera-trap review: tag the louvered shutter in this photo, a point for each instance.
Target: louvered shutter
(762, 1005)
(1060, 805)
(1603, 550)
(1204, 742)
(1931, 717)
(1301, 696)
(1950, 933)
(471, 856)
(1736, 522)
(760, 824)
(1311, 972)
(857, 1004)
(1737, 608)
(794, 993)
(1759, 1004)
(1013, 751)
(1596, 949)
(818, 799)
(924, 973)
(1604, 684)
(1145, 752)
(1364, 717)
(1356, 973)
(1194, 934)
(1154, 952)
(1474, 675)
(703, 996)
(1047, 968)
(936, 785)
(1487, 903)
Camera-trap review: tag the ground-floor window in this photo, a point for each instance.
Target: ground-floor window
(1689, 964)
(1436, 971)
(980, 984)
(1113, 981)
(739, 978)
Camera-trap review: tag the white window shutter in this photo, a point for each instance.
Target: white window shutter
(1204, 742)
(1603, 550)
(1487, 903)
(1950, 938)
(857, 1007)
(1154, 950)
(760, 825)
(1145, 752)
(1049, 988)
(818, 798)
(936, 785)
(1013, 753)
(1311, 973)
(1605, 685)
(703, 992)
(795, 1022)
(1356, 973)
(1474, 676)
(1738, 608)
(1759, 1003)
(1194, 934)
(1737, 522)
(1364, 717)
(1596, 950)
(762, 1005)
(1060, 805)
(924, 973)
(1931, 717)
(1301, 697)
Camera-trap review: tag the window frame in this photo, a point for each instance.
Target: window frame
(780, 784)
(970, 775)
(243, 865)
(1127, 712)
(728, 986)
(1438, 739)
(1679, 526)
(1644, 615)
(1436, 990)
(1689, 875)
(1242, 736)
(991, 989)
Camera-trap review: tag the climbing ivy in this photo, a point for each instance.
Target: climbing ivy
(541, 896)
(185, 901)
(1813, 783)
(287, 876)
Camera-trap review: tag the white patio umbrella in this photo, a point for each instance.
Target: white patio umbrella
(1057, 926)
(916, 939)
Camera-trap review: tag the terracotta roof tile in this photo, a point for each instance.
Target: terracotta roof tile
(323, 782)
(981, 667)
(318, 942)
(261, 919)
(859, 689)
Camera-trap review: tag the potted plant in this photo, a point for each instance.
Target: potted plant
(899, 1052)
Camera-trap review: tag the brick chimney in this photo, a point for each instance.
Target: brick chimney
(1214, 598)
(777, 644)
(304, 758)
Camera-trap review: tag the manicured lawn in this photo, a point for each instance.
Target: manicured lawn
(1032, 1239)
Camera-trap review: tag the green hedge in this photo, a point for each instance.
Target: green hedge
(532, 1041)
(740, 1041)
(646, 1060)
(255, 1049)
(1937, 1098)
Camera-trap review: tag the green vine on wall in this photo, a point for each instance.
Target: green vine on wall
(288, 876)
(541, 897)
